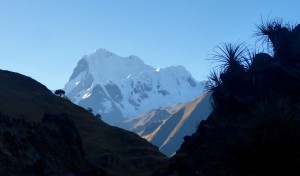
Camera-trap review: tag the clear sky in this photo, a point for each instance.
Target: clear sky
(44, 39)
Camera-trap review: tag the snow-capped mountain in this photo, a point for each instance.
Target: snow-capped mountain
(166, 127)
(119, 88)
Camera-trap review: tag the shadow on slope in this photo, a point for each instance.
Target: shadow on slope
(112, 149)
(166, 128)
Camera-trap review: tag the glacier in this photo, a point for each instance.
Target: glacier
(121, 88)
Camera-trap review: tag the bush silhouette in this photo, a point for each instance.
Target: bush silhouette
(244, 77)
(59, 92)
(265, 91)
(89, 110)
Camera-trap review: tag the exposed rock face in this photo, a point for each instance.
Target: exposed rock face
(121, 88)
(56, 139)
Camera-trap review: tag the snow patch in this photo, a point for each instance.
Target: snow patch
(137, 82)
(87, 95)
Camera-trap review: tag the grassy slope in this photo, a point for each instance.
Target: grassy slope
(116, 150)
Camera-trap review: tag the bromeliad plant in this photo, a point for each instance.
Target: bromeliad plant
(243, 77)
(227, 78)
(283, 38)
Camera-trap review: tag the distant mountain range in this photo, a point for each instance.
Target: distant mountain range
(121, 88)
(167, 127)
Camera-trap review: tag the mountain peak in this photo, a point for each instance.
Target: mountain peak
(103, 53)
(103, 66)
(124, 87)
(176, 69)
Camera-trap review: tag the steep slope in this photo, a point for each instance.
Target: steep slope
(123, 87)
(146, 123)
(113, 150)
(52, 147)
(187, 119)
(254, 128)
(167, 127)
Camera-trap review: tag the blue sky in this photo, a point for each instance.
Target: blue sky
(45, 39)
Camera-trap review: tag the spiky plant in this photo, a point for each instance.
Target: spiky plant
(248, 58)
(214, 80)
(230, 56)
(266, 32)
(227, 79)
(277, 36)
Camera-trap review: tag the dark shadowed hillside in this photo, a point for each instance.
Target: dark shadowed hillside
(51, 147)
(254, 128)
(44, 134)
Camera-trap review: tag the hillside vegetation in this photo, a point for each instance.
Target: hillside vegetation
(254, 128)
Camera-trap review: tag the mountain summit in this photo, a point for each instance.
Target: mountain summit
(123, 87)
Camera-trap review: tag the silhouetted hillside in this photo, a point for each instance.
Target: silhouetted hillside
(67, 139)
(52, 147)
(254, 128)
